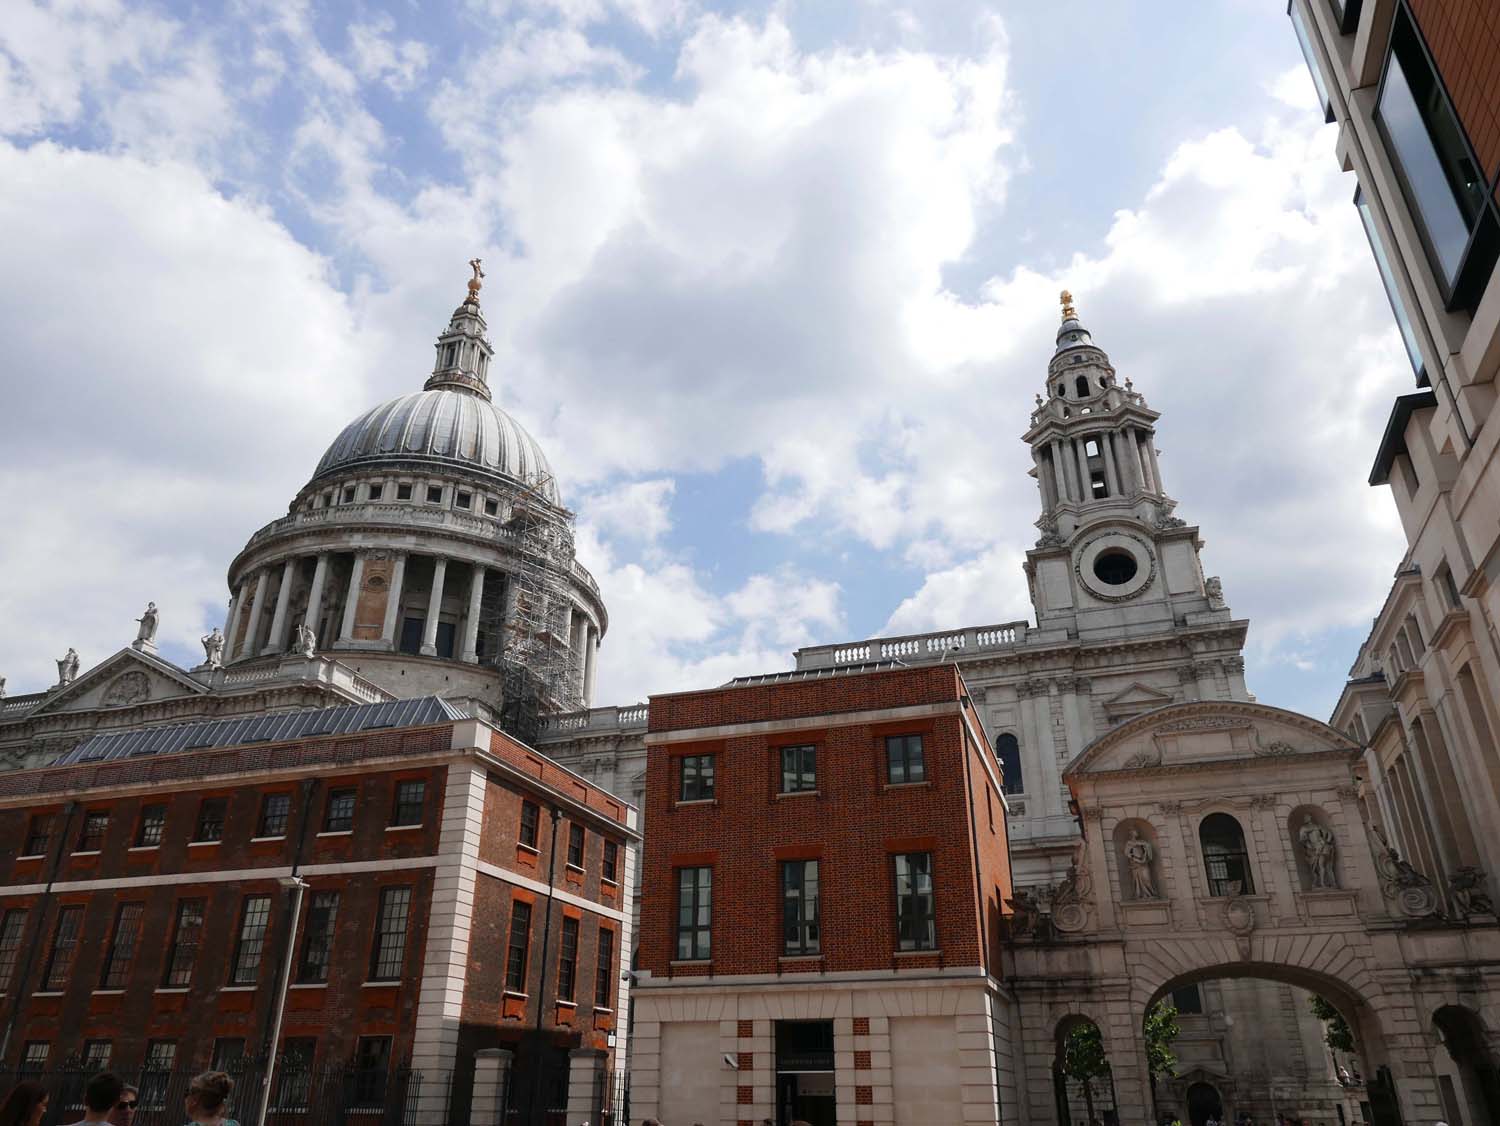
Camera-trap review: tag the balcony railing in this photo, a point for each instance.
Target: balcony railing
(595, 720)
(915, 647)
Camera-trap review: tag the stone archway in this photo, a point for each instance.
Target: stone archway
(1470, 1092)
(1203, 1103)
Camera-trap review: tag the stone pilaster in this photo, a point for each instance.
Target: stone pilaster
(276, 642)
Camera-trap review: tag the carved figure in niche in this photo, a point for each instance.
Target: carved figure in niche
(1467, 885)
(1318, 847)
(1215, 591)
(213, 649)
(149, 620)
(307, 640)
(67, 667)
(1139, 852)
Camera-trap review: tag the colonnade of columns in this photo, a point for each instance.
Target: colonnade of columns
(250, 634)
(1128, 457)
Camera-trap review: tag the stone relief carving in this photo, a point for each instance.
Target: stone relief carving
(1201, 723)
(1263, 801)
(67, 668)
(1318, 847)
(1466, 884)
(1169, 808)
(127, 688)
(1214, 589)
(1411, 890)
(1141, 759)
(1042, 913)
(1139, 853)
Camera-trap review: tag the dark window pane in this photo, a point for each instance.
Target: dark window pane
(275, 810)
(210, 825)
(39, 834)
(122, 943)
(95, 825)
(153, 821)
(12, 926)
(1008, 752)
(187, 933)
(372, 1061)
(905, 761)
(799, 907)
(228, 1054)
(390, 937)
(516, 947)
(575, 845)
(34, 1056)
(530, 813)
(64, 948)
(339, 816)
(697, 778)
(317, 941)
(294, 1073)
(916, 927)
(694, 913)
(799, 769)
(567, 961)
(411, 803)
(1388, 280)
(604, 972)
(161, 1056)
(254, 917)
(1224, 856)
(611, 861)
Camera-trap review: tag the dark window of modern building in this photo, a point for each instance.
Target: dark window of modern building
(1392, 292)
(91, 835)
(410, 805)
(182, 954)
(338, 815)
(389, 954)
(255, 914)
(1008, 752)
(567, 961)
(904, 761)
(228, 1054)
(161, 1057)
(517, 945)
(530, 814)
(697, 782)
(121, 951)
(294, 1071)
(64, 949)
(799, 769)
(1224, 856)
(34, 1056)
(1310, 59)
(210, 825)
(916, 919)
(604, 970)
(1441, 177)
(372, 1064)
(39, 834)
(12, 926)
(1347, 12)
(96, 1055)
(694, 913)
(611, 869)
(317, 940)
(148, 830)
(275, 810)
(1187, 1000)
(800, 927)
(575, 846)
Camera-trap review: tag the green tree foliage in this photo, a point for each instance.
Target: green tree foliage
(1161, 1030)
(1336, 1031)
(1084, 1059)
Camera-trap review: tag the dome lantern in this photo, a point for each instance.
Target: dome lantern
(463, 353)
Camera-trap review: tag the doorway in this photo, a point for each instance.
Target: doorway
(804, 1073)
(1203, 1103)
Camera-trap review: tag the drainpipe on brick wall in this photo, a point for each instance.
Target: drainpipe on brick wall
(541, 993)
(29, 960)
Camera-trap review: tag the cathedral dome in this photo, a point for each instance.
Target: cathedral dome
(446, 425)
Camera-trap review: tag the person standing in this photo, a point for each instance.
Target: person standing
(26, 1105)
(100, 1095)
(207, 1099)
(125, 1107)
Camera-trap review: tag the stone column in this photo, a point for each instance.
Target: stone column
(1155, 466)
(232, 626)
(252, 627)
(492, 1069)
(1138, 440)
(276, 643)
(590, 652)
(471, 621)
(1111, 473)
(1130, 478)
(588, 1068)
(1085, 489)
(434, 607)
(315, 595)
(351, 600)
(393, 602)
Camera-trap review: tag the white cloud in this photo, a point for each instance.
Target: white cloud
(378, 58)
(637, 510)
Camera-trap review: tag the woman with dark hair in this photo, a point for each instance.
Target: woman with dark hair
(24, 1106)
(208, 1099)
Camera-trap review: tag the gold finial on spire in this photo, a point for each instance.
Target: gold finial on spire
(474, 282)
(1068, 311)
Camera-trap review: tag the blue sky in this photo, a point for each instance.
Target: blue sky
(773, 284)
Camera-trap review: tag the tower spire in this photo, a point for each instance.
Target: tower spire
(463, 352)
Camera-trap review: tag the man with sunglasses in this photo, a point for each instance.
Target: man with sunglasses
(125, 1107)
(100, 1098)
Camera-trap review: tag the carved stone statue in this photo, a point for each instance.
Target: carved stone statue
(1467, 885)
(146, 635)
(213, 649)
(1318, 847)
(67, 668)
(2, 688)
(1139, 852)
(1215, 591)
(307, 640)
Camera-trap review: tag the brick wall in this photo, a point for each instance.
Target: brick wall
(852, 826)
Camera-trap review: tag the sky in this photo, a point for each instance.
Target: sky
(773, 284)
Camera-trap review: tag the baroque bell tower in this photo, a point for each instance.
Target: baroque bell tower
(1112, 560)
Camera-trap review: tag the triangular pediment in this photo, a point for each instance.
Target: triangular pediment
(1203, 732)
(128, 678)
(1135, 699)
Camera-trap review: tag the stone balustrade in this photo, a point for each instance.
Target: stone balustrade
(595, 720)
(913, 647)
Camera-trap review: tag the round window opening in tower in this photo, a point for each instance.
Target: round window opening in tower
(1115, 567)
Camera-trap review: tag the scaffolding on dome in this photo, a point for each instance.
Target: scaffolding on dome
(529, 612)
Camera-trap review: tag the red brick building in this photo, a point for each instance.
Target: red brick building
(828, 870)
(463, 894)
